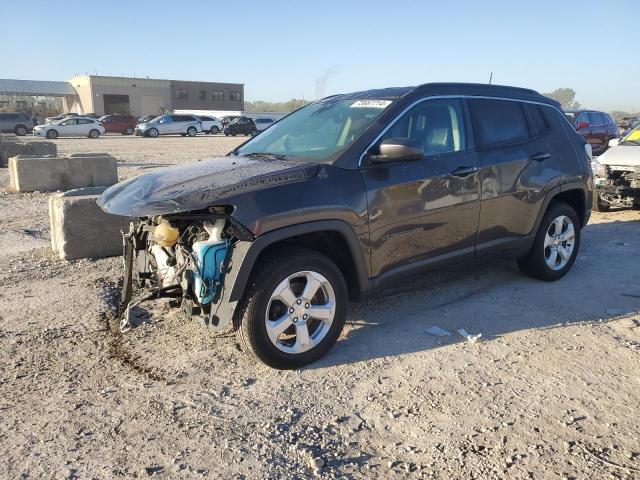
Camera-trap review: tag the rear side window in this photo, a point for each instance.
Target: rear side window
(536, 119)
(498, 122)
(596, 119)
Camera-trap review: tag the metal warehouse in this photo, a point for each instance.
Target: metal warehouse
(107, 95)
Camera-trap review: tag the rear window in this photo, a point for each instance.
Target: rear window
(595, 118)
(536, 119)
(498, 122)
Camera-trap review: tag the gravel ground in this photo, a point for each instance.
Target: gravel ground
(551, 391)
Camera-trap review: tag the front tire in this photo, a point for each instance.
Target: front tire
(153, 132)
(556, 244)
(20, 130)
(215, 130)
(192, 131)
(598, 205)
(94, 133)
(128, 131)
(294, 309)
(52, 134)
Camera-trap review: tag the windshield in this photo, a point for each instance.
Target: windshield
(633, 138)
(319, 131)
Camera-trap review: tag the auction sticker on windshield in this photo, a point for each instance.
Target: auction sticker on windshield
(371, 104)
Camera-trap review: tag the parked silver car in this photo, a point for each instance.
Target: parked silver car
(170, 124)
(15, 122)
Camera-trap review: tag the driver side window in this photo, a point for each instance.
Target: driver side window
(437, 125)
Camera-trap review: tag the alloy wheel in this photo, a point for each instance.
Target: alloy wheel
(559, 242)
(300, 312)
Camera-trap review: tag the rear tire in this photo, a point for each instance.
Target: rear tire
(556, 244)
(20, 130)
(52, 134)
(295, 273)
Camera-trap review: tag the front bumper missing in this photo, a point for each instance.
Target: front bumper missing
(217, 316)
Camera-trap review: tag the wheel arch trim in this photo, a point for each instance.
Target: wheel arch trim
(270, 238)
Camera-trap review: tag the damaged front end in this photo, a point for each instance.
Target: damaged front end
(185, 257)
(618, 186)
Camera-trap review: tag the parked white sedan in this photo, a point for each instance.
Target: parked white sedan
(70, 127)
(210, 124)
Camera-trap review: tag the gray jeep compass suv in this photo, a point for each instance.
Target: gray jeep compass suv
(347, 195)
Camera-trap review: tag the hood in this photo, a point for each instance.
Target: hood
(623, 155)
(199, 185)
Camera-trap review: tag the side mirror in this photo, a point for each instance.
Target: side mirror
(582, 125)
(398, 149)
(614, 142)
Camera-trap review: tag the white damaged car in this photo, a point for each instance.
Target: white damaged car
(617, 174)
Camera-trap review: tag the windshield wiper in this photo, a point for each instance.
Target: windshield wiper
(279, 156)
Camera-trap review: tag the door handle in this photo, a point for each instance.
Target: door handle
(540, 157)
(464, 171)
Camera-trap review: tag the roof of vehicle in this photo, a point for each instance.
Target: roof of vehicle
(466, 89)
(580, 110)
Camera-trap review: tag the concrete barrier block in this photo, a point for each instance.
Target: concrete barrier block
(28, 173)
(42, 148)
(12, 148)
(79, 227)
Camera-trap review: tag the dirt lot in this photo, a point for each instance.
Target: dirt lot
(552, 390)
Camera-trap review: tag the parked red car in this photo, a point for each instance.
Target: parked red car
(124, 124)
(597, 128)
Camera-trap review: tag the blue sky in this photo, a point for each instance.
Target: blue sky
(280, 49)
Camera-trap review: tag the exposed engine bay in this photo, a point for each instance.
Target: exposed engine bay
(618, 186)
(180, 256)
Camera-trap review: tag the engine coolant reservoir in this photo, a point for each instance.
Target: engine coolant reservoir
(165, 235)
(209, 255)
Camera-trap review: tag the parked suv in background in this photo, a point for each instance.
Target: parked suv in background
(262, 123)
(170, 124)
(241, 126)
(210, 125)
(124, 124)
(347, 195)
(228, 119)
(597, 128)
(16, 122)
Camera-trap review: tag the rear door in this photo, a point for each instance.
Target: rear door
(84, 126)
(424, 212)
(518, 159)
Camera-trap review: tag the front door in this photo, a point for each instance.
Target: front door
(68, 127)
(424, 212)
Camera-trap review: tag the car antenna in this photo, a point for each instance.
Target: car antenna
(490, 78)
